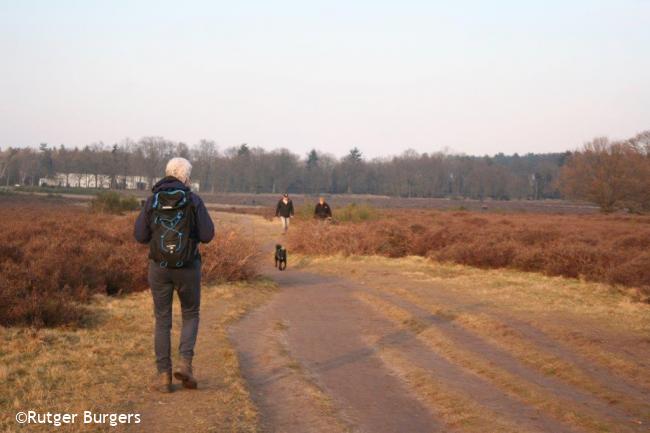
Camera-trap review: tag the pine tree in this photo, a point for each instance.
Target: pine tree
(312, 159)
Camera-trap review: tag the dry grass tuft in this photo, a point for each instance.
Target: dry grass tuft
(526, 391)
(456, 409)
(231, 256)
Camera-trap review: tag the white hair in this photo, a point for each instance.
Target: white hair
(180, 168)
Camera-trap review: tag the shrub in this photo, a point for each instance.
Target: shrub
(229, 257)
(305, 211)
(356, 213)
(114, 203)
(53, 258)
(352, 212)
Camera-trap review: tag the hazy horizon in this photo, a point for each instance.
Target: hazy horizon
(470, 77)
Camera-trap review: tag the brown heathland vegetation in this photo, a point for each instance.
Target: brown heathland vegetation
(604, 248)
(54, 257)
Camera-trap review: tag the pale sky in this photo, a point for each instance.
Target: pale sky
(475, 77)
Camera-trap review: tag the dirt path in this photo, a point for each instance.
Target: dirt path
(308, 337)
(172, 412)
(315, 335)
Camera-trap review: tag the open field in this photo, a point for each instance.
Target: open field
(259, 202)
(605, 248)
(353, 343)
(387, 202)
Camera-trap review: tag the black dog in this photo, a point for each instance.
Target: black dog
(280, 257)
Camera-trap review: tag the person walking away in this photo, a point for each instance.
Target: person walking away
(322, 210)
(173, 222)
(284, 210)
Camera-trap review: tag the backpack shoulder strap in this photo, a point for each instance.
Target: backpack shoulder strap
(154, 200)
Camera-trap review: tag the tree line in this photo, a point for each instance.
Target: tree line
(612, 174)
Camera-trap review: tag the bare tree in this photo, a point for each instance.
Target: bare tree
(614, 175)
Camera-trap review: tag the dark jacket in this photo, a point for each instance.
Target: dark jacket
(203, 230)
(323, 211)
(284, 210)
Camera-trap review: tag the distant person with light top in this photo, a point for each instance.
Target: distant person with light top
(284, 210)
(322, 211)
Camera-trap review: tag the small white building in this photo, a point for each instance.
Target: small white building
(76, 180)
(85, 180)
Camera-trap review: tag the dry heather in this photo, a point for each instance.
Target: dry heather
(612, 249)
(54, 257)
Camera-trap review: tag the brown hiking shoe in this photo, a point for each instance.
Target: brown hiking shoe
(162, 382)
(184, 374)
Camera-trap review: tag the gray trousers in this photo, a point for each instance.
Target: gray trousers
(187, 282)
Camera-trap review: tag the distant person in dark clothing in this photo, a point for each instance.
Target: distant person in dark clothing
(322, 210)
(167, 239)
(284, 210)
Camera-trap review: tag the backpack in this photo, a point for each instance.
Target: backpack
(172, 221)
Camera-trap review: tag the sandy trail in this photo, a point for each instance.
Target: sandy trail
(327, 342)
(320, 327)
